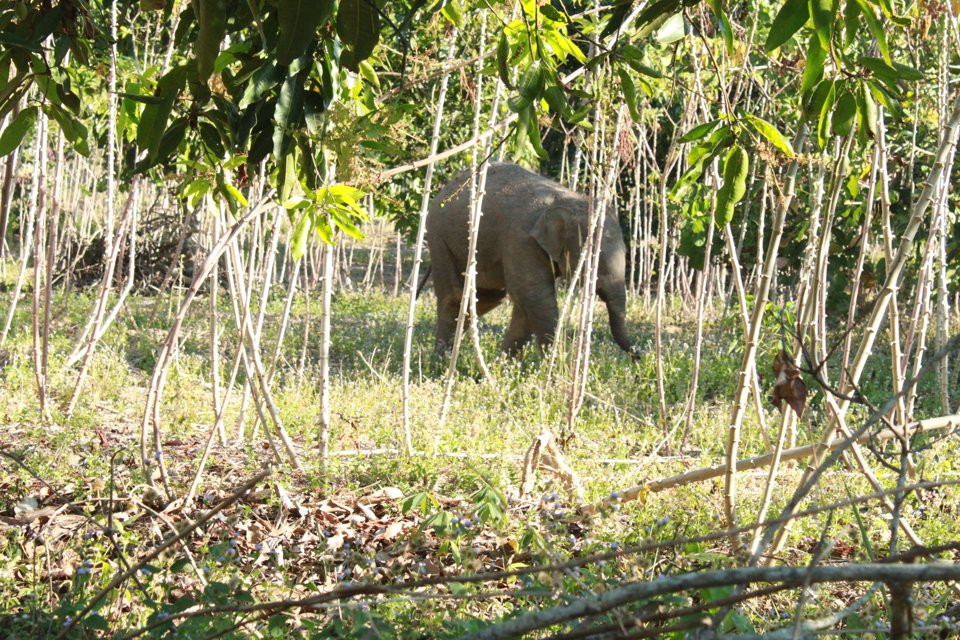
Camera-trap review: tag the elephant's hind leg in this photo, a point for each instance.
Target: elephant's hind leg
(448, 310)
(489, 299)
(448, 286)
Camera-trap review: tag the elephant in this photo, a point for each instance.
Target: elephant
(532, 231)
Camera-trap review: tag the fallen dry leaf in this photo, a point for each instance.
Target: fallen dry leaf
(789, 386)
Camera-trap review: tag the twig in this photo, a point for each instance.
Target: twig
(163, 546)
(707, 473)
(790, 576)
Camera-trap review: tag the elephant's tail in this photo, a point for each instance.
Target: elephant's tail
(423, 281)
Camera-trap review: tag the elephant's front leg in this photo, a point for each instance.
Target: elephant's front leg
(534, 317)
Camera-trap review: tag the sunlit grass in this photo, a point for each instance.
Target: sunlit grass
(488, 428)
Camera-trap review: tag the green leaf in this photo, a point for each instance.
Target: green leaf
(321, 224)
(533, 132)
(13, 40)
(654, 16)
(826, 114)
(646, 70)
(289, 109)
(890, 15)
(96, 621)
(532, 81)
(697, 159)
(868, 110)
(453, 12)
(287, 175)
(358, 25)
(235, 194)
(711, 146)
(716, 6)
(517, 103)
(885, 97)
(735, 169)
(503, 57)
(153, 120)
(851, 21)
(341, 218)
(553, 14)
(212, 18)
(299, 20)
(14, 133)
(211, 138)
(629, 94)
(823, 13)
(844, 114)
(693, 240)
(73, 130)
(563, 46)
(169, 142)
(890, 72)
(672, 30)
(263, 79)
(136, 97)
(298, 245)
(439, 522)
(369, 74)
(772, 134)
(813, 71)
(814, 105)
(70, 99)
(876, 29)
(556, 99)
(699, 131)
(792, 15)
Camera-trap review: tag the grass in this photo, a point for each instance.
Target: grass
(460, 512)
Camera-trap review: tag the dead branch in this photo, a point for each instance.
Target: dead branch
(663, 585)
(797, 453)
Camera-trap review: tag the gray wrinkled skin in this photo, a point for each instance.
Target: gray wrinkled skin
(531, 232)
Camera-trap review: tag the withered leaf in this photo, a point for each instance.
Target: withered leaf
(789, 386)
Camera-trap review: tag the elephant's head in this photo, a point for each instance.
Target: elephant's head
(561, 232)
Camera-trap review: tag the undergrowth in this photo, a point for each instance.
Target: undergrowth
(77, 507)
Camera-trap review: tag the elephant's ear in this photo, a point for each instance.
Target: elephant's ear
(550, 232)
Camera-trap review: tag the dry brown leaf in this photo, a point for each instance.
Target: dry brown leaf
(381, 496)
(335, 542)
(367, 511)
(789, 386)
(391, 531)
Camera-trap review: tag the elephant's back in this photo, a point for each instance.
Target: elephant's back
(513, 200)
(511, 191)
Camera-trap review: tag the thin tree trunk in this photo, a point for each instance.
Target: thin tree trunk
(601, 186)
(858, 270)
(398, 266)
(748, 363)
(6, 191)
(327, 293)
(215, 344)
(302, 361)
(26, 237)
(40, 268)
(101, 306)
(668, 165)
(948, 140)
(418, 254)
(701, 308)
(151, 414)
(468, 300)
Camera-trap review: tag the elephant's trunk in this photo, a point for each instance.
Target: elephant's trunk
(616, 309)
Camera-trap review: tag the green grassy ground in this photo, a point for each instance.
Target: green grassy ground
(460, 511)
